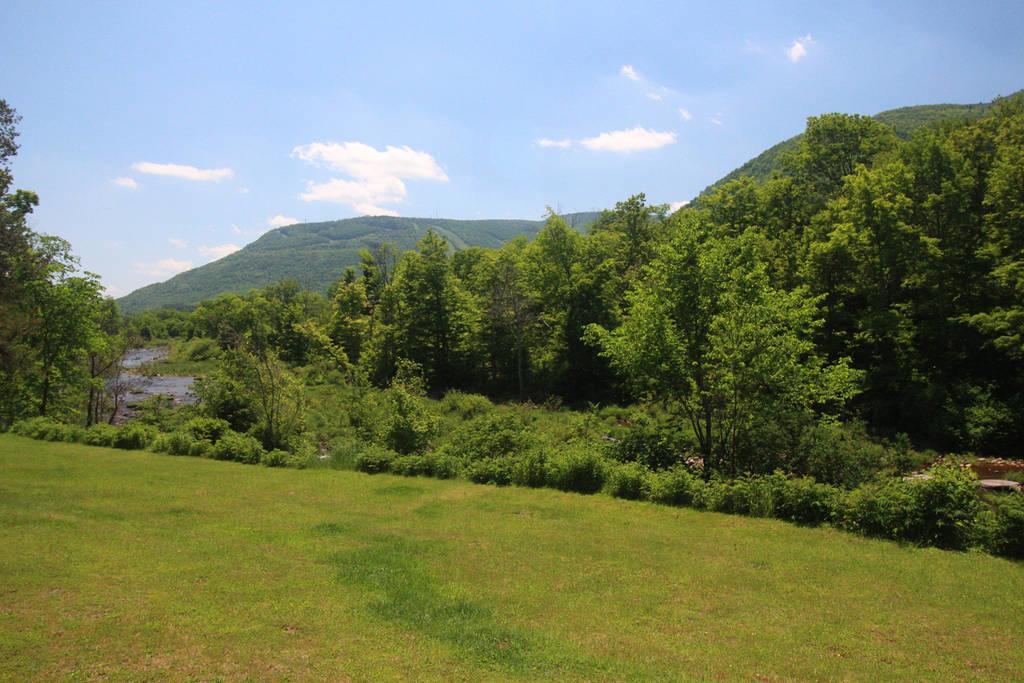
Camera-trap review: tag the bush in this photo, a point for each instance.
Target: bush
(200, 449)
(676, 486)
(842, 455)
(133, 436)
(497, 471)
(1007, 529)
(412, 466)
(442, 466)
(201, 349)
(751, 495)
(275, 458)
(100, 435)
(174, 443)
(238, 448)
(884, 508)
(626, 480)
(48, 429)
(947, 504)
(374, 459)
(466, 406)
(805, 501)
(409, 425)
(530, 469)
(577, 469)
(489, 437)
(209, 429)
(655, 446)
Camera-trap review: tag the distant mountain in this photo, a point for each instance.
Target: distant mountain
(316, 254)
(904, 120)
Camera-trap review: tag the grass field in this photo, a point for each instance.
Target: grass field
(129, 565)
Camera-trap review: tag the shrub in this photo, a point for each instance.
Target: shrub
(409, 425)
(626, 480)
(1007, 533)
(497, 471)
(576, 469)
(842, 455)
(947, 503)
(676, 486)
(488, 437)
(655, 446)
(466, 406)
(884, 508)
(275, 458)
(48, 429)
(174, 443)
(530, 469)
(133, 436)
(201, 349)
(209, 429)
(237, 447)
(442, 466)
(100, 435)
(344, 452)
(805, 501)
(751, 495)
(412, 466)
(200, 449)
(374, 459)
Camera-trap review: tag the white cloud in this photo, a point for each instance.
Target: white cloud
(716, 119)
(183, 171)
(654, 96)
(377, 174)
(685, 113)
(631, 140)
(548, 142)
(365, 196)
(217, 252)
(629, 72)
(675, 206)
(363, 161)
(798, 50)
(111, 290)
(126, 182)
(243, 190)
(175, 242)
(163, 268)
(280, 220)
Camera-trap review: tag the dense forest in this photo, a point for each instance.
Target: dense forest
(871, 289)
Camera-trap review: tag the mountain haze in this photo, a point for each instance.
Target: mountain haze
(316, 254)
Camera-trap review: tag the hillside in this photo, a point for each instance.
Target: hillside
(316, 254)
(904, 121)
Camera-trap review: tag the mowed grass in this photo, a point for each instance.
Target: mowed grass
(130, 565)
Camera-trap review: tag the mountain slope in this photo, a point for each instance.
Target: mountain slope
(316, 254)
(904, 121)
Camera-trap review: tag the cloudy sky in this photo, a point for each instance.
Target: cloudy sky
(161, 136)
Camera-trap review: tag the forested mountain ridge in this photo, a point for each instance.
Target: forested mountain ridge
(904, 120)
(316, 254)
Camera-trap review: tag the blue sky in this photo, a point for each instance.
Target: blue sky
(163, 135)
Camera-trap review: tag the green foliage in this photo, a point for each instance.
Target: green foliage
(490, 436)
(841, 455)
(655, 445)
(675, 486)
(626, 480)
(466, 406)
(805, 501)
(375, 459)
(409, 423)
(577, 468)
(237, 447)
(133, 436)
(209, 429)
(1006, 519)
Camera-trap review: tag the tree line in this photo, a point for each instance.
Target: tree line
(870, 278)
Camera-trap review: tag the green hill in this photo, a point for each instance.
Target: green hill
(904, 121)
(316, 254)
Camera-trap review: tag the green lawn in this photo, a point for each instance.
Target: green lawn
(129, 565)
